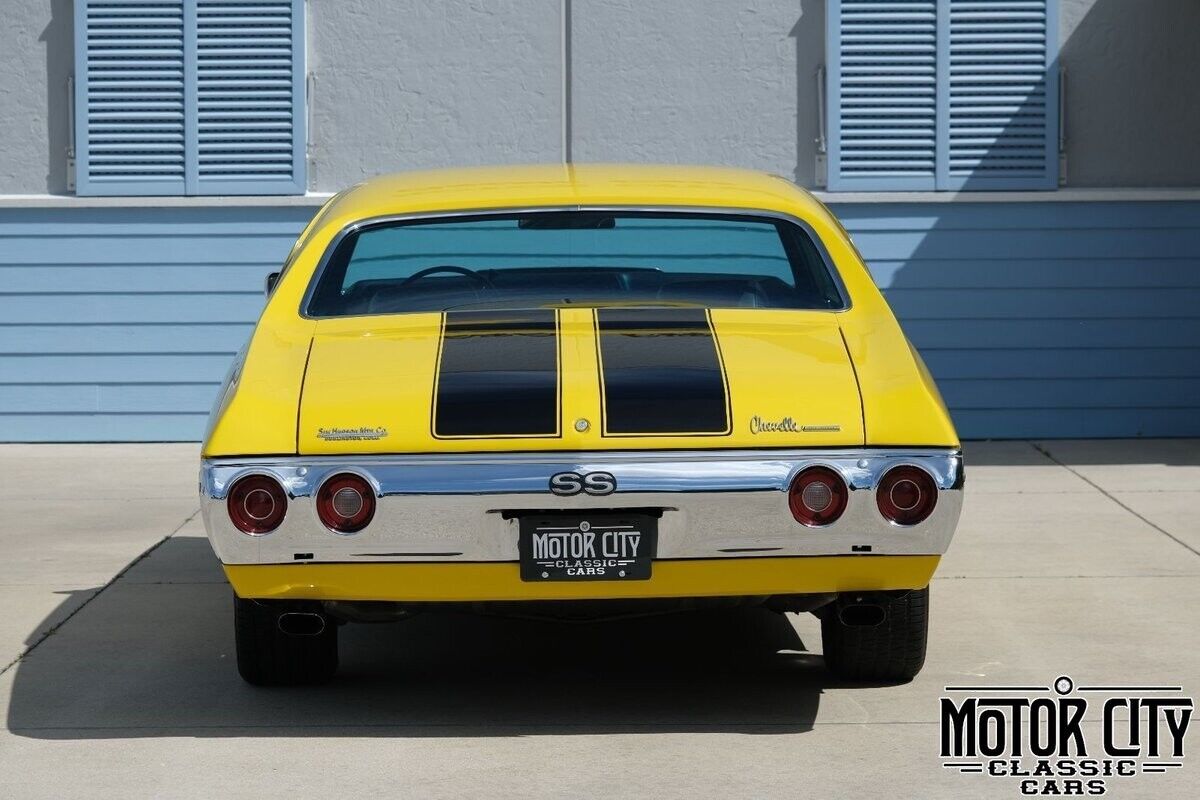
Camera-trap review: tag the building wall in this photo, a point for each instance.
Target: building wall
(414, 85)
(1042, 319)
(37, 55)
(1132, 96)
(1047, 319)
(1039, 318)
(404, 85)
(117, 324)
(712, 83)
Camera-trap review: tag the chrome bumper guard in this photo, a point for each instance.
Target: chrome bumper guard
(448, 508)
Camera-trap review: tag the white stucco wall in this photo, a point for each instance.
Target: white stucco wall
(403, 85)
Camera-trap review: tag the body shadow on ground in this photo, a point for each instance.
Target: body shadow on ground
(152, 655)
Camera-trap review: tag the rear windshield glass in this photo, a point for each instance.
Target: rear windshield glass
(565, 258)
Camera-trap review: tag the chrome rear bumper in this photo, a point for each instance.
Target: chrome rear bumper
(461, 508)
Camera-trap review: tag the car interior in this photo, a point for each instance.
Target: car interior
(449, 289)
(586, 258)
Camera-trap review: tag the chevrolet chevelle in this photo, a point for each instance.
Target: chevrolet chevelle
(578, 390)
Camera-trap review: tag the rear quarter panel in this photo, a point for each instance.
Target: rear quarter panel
(901, 402)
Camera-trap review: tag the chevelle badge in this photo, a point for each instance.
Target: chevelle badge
(787, 425)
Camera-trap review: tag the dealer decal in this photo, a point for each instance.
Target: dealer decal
(1046, 742)
(364, 433)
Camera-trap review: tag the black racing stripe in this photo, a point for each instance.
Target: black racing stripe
(498, 375)
(661, 373)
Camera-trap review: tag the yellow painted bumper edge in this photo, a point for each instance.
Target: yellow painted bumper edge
(502, 580)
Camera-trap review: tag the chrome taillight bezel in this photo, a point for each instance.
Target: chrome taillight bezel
(894, 511)
(838, 501)
(324, 502)
(243, 491)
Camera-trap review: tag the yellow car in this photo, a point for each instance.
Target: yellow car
(578, 390)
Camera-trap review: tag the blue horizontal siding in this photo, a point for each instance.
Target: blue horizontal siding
(146, 306)
(1059, 243)
(115, 368)
(114, 279)
(1041, 273)
(1038, 319)
(132, 427)
(1047, 363)
(118, 324)
(1047, 319)
(126, 337)
(156, 250)
(995, 216)
(1078, 424)
(1051, 334)
(1070, 393)
(1077, 302)
(120, 398)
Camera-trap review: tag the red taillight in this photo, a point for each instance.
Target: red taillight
(906, 495)
(256, 504)
(817, 497)
(346, 503)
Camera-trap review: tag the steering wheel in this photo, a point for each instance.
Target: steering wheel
(453, 268)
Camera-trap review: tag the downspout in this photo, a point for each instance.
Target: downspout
(565, 41)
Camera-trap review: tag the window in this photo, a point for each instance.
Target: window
(588, 258)
(942, 94)
(189, 97)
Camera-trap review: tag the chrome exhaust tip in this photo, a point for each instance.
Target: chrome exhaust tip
(862, 615)
(301, 623)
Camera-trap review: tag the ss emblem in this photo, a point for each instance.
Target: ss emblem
(566, 484)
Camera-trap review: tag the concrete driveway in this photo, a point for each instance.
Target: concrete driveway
(118, 678)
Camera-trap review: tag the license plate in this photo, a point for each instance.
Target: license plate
(609, 546)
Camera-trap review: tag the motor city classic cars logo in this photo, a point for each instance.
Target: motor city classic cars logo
(1039, 742)
(351, 434)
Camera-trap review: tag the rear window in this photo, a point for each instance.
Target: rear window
(565, 258)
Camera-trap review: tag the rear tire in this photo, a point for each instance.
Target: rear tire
(891, 652)
(266, 656)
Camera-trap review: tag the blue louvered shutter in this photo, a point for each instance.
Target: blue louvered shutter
(129, 97)
(1001, 122)
(882, 90)
(250, 87)
(942, 94)
(196, 97)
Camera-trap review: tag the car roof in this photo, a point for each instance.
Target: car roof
(567, 185)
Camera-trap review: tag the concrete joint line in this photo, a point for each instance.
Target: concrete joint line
(54, 629)
(1101, 490)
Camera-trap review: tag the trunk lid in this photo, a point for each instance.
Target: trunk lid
(579, 379)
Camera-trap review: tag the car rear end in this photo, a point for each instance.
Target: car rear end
(602, 406)
(565, 526)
